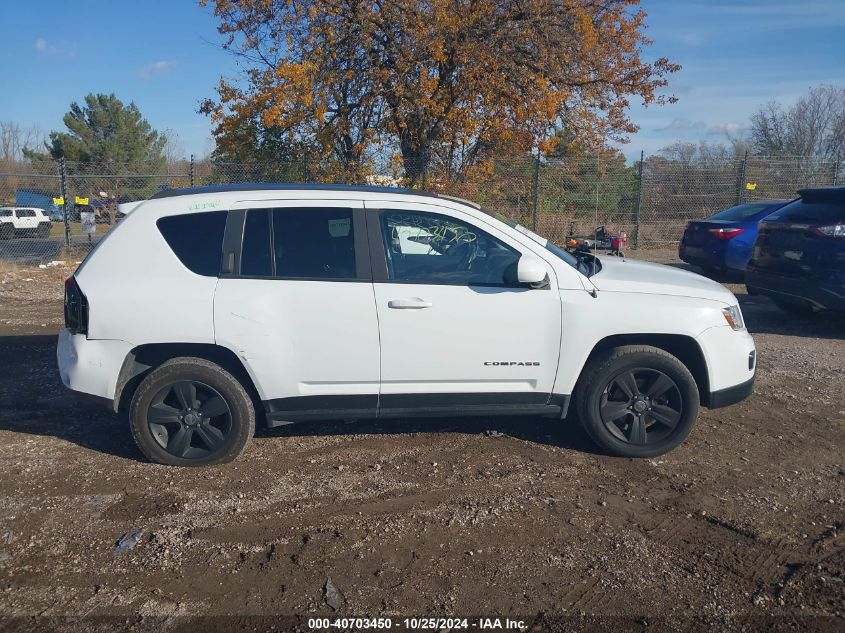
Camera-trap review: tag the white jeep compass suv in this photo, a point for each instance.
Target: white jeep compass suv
(205, 306)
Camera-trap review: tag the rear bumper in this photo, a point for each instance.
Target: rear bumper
(827, 295)
(90, 367)
(702, 256)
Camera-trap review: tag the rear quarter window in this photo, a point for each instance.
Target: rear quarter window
(196, 239)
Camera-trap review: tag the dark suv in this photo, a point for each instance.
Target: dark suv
(799, 255)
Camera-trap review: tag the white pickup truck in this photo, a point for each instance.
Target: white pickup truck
(23, 222)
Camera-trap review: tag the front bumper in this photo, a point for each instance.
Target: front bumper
(731, 395)
(731, 365)
(90, 366)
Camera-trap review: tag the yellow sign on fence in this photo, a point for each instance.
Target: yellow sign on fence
(751, 186)
(59, 201)
(78, 200)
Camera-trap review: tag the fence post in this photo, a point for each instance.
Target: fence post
(836, 168)
(740, 185)
(191, 172)
(63, 181)
(305, 167)
(535, 192)
(638, 200)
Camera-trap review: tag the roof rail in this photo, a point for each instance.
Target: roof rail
(170, 193)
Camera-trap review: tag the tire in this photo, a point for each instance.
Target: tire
(651, 421)
(796, 309)
(170, 431)
(43, 231)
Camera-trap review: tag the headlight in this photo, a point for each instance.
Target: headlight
(733, 315)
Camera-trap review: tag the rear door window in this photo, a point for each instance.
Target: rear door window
(196, 239)
(299, 243)
(314, 243)
(256, 252)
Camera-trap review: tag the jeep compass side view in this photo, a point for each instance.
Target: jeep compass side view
(209, 308)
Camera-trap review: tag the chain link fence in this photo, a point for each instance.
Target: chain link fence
(651, 199)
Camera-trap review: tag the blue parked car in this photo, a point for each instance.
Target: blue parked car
(723, 242)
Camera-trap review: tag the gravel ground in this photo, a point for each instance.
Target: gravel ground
(740, 528)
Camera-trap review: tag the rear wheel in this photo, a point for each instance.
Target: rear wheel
(637, 401)
(191, 412)
(44, 230)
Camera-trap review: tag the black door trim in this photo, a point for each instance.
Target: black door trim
(282, 411)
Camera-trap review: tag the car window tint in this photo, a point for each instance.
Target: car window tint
(25, 213)
(196, 239)
(741, 212)
(5, 213)
(314, 243)
(803, 211)
(256, 257)
(431, 248)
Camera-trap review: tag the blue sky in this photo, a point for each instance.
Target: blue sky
(164, 55)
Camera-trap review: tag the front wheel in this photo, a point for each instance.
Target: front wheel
(191, 412)
(637, 401)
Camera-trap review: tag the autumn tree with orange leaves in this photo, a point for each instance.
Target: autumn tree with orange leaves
(448, 81)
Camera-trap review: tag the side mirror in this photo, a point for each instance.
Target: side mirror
(531, 272)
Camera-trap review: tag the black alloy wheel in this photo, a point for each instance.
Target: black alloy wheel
(189, 419)
(641, 406)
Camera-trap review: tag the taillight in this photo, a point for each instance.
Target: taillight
(725, 234)
(76, 308)
(830, 230)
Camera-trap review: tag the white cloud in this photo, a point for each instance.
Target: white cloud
(48, 49)
(728, 129)
(681, 124)
(156, 68)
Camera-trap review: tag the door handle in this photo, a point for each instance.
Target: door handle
(414, 303)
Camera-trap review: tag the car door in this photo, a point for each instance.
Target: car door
(26, 219)
(458, 334)
(295, 301)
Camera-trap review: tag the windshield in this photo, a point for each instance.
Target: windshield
(585, 263)
(744, 211)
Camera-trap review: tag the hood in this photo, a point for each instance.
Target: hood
(630, 275)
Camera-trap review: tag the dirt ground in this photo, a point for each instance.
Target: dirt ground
(741, 528)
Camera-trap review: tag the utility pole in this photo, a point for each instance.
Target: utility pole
(63, 181)
(740, 186)
(638, 200)
(535, 192)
